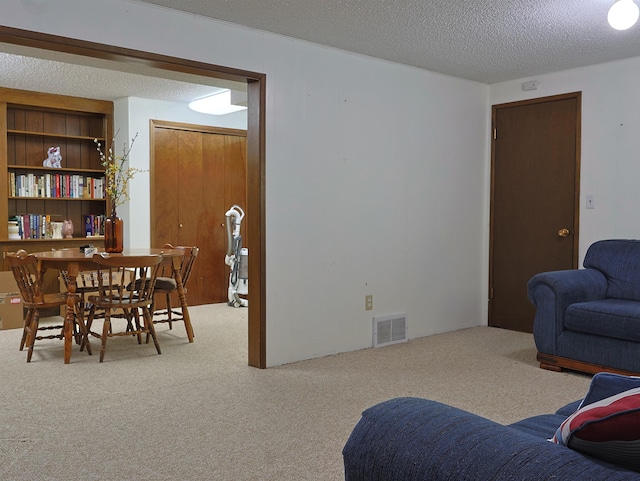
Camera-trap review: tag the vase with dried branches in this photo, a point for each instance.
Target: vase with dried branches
(118, 173)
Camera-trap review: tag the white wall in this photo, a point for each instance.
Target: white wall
(610, 164)
(376, 174)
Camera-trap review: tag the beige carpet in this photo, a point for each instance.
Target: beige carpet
(198, 412)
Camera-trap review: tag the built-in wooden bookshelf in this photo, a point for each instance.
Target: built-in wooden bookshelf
(31, 123)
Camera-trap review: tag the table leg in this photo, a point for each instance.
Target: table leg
(175, 262)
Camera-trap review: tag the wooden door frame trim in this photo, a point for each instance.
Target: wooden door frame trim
(576, 199)
(256, 144)
(207, 129)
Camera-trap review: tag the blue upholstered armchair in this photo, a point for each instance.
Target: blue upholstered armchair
(589, 319)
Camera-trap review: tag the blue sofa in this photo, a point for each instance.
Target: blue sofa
(410, 439)
(589, 319)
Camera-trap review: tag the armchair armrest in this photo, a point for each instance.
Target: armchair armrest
(552, 292)
(410, 439)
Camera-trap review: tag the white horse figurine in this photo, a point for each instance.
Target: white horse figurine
(55, 158)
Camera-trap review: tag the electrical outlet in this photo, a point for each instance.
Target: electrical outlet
(368, 303)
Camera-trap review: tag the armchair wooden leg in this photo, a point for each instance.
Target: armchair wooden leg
(558, 364)
(549, 367)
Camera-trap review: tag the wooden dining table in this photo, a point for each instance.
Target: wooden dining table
(74, 261)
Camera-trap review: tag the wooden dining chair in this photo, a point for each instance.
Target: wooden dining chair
(166, 285)
(86, 283)
(25, 271)
(127, 285)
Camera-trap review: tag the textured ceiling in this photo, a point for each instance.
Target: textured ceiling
(487, 40)
(484, 40)
(60, 73)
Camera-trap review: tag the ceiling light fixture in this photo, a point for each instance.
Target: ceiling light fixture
(623, 14)
(216, 104)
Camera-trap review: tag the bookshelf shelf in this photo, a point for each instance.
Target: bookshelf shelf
(53, 171)
(54, 136)
(54, 241)
(81, 199)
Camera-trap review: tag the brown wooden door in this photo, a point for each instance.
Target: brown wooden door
(197, 174)
(534, 196)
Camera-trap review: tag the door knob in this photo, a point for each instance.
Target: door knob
(180, 225)
(563, 232)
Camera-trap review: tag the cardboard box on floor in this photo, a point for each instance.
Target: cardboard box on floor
(11, 315)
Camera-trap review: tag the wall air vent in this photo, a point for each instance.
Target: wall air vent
(389, 330)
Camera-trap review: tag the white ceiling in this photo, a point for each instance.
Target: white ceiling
(60, 73)
(484, 40)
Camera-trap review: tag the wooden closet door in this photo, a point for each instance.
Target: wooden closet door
(164, 192)
(197, 176)
(225, 161)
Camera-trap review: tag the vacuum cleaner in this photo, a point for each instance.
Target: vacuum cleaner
(237, 258)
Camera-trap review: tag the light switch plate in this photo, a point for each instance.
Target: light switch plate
(590, 202)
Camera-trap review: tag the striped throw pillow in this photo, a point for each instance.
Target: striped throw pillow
(607, 428)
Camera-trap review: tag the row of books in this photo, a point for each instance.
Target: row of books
(41, 226)
(69, 186)
(94, 225)
(35, 226)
